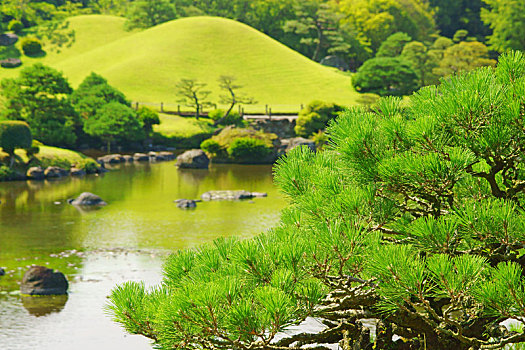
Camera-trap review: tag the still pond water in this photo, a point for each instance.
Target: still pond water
(126, 240)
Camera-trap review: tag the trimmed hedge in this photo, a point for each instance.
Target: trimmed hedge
(14, 134)
(315, 117)
(248, 149)
(31, 46)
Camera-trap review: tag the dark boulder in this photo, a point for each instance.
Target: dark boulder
(55, 172)
(230, 195)
(77, 172)
(127, 158)
(167, 155)
(40, 280)
(186, 203)
(35, 173)
(195, 159)
(140, 157)
(87, 199)
(111, 159)
(2, 271)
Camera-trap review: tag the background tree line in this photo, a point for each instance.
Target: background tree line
(352, 30)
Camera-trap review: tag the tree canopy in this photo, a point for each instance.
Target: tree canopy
(506, 18)
(40, 96)
(413, 217)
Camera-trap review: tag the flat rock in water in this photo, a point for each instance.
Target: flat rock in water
(231, 195)
(40, 280)
(195, 159)
(111, 159)
(127, 158)
(166, 155)
(87, 199)
(186, 203)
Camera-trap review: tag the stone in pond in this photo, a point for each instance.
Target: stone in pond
(230, 195)
(35, 173)
(55, 172)
(40, 280)
(87, 199)
(186, 203)
(195, 159)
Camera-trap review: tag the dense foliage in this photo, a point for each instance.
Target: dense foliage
(316, 116)
(13, 135)
(413, 218)
(40, 96)
(386, 76)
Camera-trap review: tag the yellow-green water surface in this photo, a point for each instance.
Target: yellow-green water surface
(125, 240)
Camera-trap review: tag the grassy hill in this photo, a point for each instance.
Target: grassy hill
(146, 65)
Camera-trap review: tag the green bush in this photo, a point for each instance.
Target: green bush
(15, 26)
(246, 148)
(34, 149)
(211, 147)
(315, 117)
(386, 76)
(7, 174)
(90, 166)
(31, 46)
(234, 118)
(14, 134)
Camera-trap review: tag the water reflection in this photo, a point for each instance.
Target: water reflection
(44, 305)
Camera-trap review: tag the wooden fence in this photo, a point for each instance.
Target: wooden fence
(245, 111)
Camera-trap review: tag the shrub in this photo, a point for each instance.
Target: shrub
(315, 117)
(14, 134)
(234, 118)
(90, 166)
(8, 174)
(247, 148)
(211, 147)
(148, 117)
(386, 76)
(31, 46)
(34, 149)
(15, 26)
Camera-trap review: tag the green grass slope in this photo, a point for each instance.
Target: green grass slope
(90, 32)
(146, 65)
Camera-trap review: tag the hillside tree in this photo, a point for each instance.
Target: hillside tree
(231, 96)
(115, 122)
(13, 135)
(192, 95)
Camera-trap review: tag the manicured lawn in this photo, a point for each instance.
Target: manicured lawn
(173, 125)
(48, 153)
(146, 65)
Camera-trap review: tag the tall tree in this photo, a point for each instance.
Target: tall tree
(423, 61)
(463, 56)
(192, 95)
(231, 96)
(453, 15)
(40, 96)
(149, 13)
(115, 122)
(507, 20)
(393, 45)
(377, 20)
(317, 25)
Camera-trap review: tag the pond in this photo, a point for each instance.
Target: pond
(126, 240)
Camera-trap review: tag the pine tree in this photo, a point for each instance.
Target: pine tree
(413, 217)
